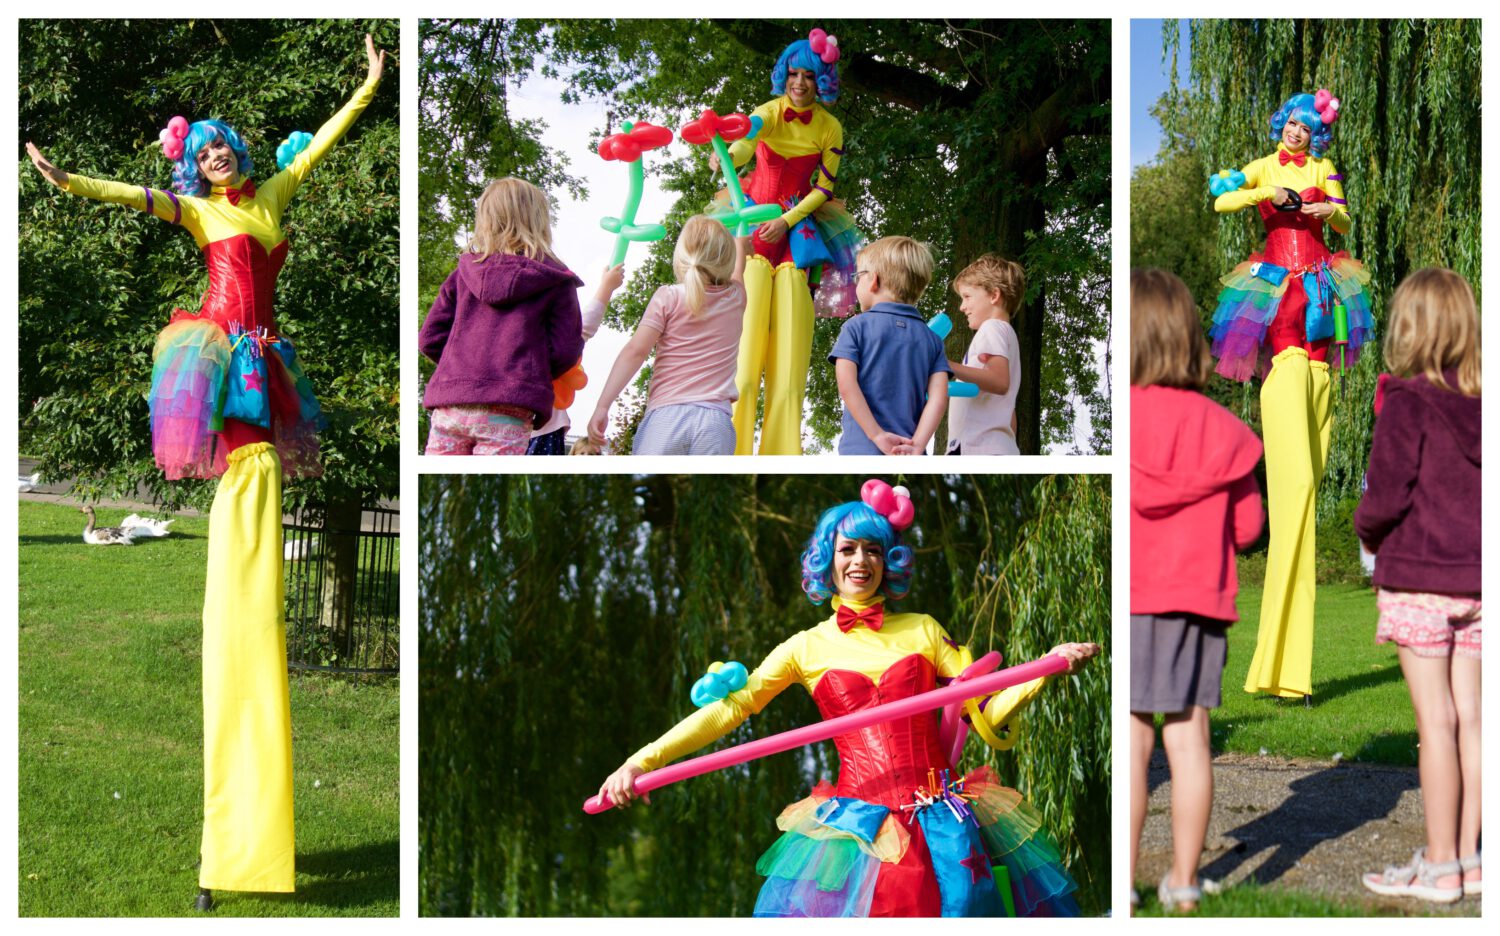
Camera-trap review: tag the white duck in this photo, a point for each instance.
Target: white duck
(144, 527)
(105, 536)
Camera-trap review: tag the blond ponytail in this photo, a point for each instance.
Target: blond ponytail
(704, 257)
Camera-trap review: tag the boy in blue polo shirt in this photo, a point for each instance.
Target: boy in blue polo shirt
(891, 369)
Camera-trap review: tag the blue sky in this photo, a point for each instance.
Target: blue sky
(1148, 80)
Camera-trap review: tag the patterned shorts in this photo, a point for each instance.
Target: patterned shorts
(485, 429)
(1430, 625)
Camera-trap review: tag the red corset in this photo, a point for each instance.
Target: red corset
(777, 177)
(883, 763)
(1294, 240)
(241, 280)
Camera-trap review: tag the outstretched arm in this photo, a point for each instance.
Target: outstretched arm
(711, 722)
(282, 185)
(164, 204)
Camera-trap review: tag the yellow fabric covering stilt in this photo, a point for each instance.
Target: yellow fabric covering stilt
(1297, 418)
(776, 338)
(247, 716)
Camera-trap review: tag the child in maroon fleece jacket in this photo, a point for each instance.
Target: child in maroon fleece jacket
(1420, 516)
(1193, 502)
(505, 326)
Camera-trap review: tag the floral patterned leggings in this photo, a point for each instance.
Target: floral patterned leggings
(483, 429)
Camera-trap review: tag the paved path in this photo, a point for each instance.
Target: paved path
(1308, 826)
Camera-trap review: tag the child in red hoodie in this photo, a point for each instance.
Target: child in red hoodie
(1193, 502)
(1420, 516)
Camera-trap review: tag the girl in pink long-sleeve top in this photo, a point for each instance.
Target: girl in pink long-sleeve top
(1193, 503)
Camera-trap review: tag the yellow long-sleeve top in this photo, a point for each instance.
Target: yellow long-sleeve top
(1265, 175)
(212, 217)
(823, 134)
(804, 658)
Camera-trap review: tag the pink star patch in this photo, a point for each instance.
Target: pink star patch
(252, 381)
(978, 864)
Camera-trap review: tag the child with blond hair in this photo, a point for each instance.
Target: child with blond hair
(1193, 503)
(505, 326)
(1420, 517)
(891, 370)
(694, 327)
(990, 291)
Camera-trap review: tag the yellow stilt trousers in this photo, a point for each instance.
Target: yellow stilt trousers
(776, 338)
(247, 716)
(1296, 416)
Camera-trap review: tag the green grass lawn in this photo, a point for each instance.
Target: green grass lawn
(1361, 708)
(1249, 899)
(110, 741)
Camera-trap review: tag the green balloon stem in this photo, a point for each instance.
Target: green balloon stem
(732, 180)
(632, 203)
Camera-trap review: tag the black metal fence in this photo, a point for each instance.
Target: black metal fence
(342, 593)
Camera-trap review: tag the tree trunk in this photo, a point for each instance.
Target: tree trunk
(341, 523)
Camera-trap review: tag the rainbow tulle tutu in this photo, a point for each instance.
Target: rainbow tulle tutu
(835, 296)
(191, 363)
(1248, 304)
(830, 855)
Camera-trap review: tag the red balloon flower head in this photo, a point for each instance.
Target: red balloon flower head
(565, 387)
(731, 127)
(628, 146)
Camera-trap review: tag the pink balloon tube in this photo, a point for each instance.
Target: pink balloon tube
(811, 734)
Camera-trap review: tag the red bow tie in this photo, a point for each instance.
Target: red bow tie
(244, 191)
(872, 617)
(790, 115)
(1298, 158)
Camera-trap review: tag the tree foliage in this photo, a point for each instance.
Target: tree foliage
(972, 136)
(564, 619)
(1407, 143)
(97, 282)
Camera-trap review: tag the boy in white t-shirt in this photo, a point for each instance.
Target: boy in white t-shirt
(990, 290)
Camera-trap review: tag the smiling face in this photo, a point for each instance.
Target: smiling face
(979, 305)
(1295, 135)
(217, 162)
(858, 567)
(801, 86)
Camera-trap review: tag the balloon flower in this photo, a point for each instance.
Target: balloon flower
(565, 387)
(943, 325)
(627, 147)
(710, 128)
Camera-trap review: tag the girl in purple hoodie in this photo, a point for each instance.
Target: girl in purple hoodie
(505, 326)
(1420, 516)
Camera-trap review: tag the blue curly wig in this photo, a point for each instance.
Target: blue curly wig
(1299, 107)
(800, 55)
(186, 178)
(855, 520)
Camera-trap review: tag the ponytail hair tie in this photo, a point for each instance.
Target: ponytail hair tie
(824, 46)
(892, 503)
(1327, 106)
(290, 147)
(172, 137)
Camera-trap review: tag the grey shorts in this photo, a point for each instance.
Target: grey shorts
(1176, 662)
(684, 429)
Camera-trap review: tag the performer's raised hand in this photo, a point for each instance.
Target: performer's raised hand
(377, 59)
(50, 172)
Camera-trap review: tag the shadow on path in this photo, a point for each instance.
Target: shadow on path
(1324, 805)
